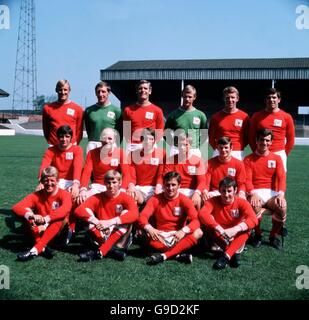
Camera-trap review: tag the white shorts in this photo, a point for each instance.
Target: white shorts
(240, 155)
(283, 156)
(146, 191)
(265, 194)
(93, 145)
(194, 151)
(105, 235)
(130, 147)
(168, 237)
(94, 189)
(65, 184)
(187, 192)
(214, 193)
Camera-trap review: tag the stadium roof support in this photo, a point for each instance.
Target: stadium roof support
(211, 69)
(3, 93)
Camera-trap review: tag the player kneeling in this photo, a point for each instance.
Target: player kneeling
(109, 215)
(46, 212)
(169, 212)
(228, 221)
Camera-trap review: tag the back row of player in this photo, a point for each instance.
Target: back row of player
(230, 121)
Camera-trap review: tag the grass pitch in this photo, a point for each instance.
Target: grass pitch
(265, 273)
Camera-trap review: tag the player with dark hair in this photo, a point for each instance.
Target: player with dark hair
(142, 114)
(101, 115)
(67, 158)
(280, 122)
(170, 222)
(222, 166)
(228, 220)
(266, 185)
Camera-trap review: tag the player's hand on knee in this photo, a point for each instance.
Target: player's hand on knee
(82, 197)
(74, 190)
(280, 201)
(255, 201)
(205, 195)
(179, 235)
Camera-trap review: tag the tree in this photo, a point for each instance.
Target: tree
(41, 100)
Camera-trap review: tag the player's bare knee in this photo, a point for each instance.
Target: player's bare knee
(198, 233)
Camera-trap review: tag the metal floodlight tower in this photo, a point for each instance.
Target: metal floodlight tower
(25, 81)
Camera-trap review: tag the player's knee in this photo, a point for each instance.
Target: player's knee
(198, 233)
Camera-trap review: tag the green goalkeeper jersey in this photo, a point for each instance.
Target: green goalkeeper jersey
(99, 117)
(191, 122)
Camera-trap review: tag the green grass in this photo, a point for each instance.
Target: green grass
(264, 274)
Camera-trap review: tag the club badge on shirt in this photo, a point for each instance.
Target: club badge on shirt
(196, 121)
(55, 205)
(231, 172)
(154, 161)
(191, 169)
(69, 156)
(119, 208)
(70, 112)
(234, 213)
(277, 123)
(271, 163)
(238, 123)
(111, 114)
(114, 162)
(149, 115)
(177, 211)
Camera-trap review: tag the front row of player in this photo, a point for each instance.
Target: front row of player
(169, 223)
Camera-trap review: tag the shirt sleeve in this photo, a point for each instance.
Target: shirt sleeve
(79, 125)
(249, 176)
(192, 214)
(132, 214)
(87, 171)
(91, 203)
(46, 161)
(78, 163)
(241, 177)
(28, 202)
(45, 123)
(247, 213)
(147, 212)
(205, 215)
(290, 134)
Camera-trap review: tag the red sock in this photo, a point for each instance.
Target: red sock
(257, 229)
(184, 244)
(107, 245)
(276, 229)
(158, 245)
(237, 243)
(97, 235)
(51, 231)
(35, 233)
